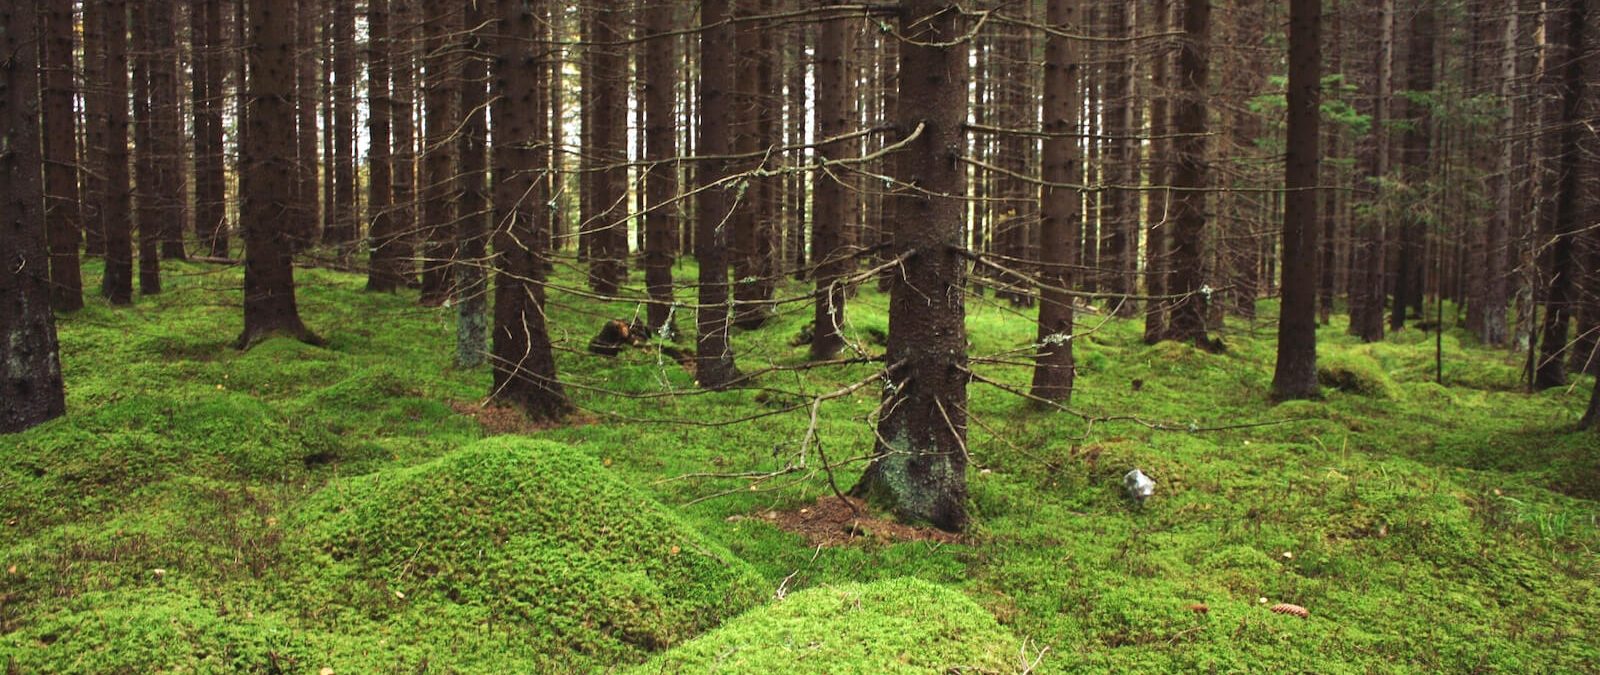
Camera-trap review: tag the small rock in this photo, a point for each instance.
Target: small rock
(1138, 486)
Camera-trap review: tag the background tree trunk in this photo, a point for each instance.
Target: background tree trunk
(1187, 320)
(63, 211)
(661, 185)
(471, 291)
(714, 366)
(1059, 206)
(1565, 28)
(1296, 372)
(117, 216)
(828, 190)
(383, 269)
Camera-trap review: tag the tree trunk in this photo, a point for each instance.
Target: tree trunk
(608, 224)
(828, 191)
(116, 217)
(1417, 144)
(147, 215)
(1158, 217)
(1565, 26)
(308, 208)
(403, 155)
(62, 208)
(1187, 320)
(383, 269)
(1367, 303)
(1296, 373)
(95, 102)
(342, 230)
(524, 365)
(267, 181)
(714, 367)
(210, 200)
(30, 368)
(438, 153)
(919, 466)
(472, 289)
(661, 184)
(1059, 206)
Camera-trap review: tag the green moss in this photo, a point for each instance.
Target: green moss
(1355, 374)
(532, 538)
(893, 626)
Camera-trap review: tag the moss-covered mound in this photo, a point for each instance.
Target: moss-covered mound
(148, 630)
(898, 625)
(529, 541)
(1354, 374)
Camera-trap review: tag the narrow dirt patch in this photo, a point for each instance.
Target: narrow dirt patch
(839, 522)
(501, 419)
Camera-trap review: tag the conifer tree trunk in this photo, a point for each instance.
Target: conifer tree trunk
(1370, 260)
(1296, 373)
(1417, 145)
(524, 366)
(63, 210)
(166, 129)
(828, 191)
(661, 184)
(383, 269)
(1565, 28)
(609, 113)
(116, 218)
(919, 465)
(1158, 215)
(147, 215)
(403, 153)
(30, 368)
(1187, 320)
(309, 211)
(342, 228)
(94, 127)
(441, 23)
(1059, 205)
(210, 202)
(267, 179)
(471, 288)
(714, 366)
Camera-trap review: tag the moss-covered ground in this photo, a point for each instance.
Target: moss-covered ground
(295, 508)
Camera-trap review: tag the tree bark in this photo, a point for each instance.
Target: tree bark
(309, 213)
(210, 199)
(471, 289)
(63, 210)
(383, 268)
(1367, 303)
(267, 181)
(116, 218)
(1417, 147)
(30, 365)
(1565, 28)
(523, 363)
(1158, 217)
(827, 190)
(661, 185)
(1296, 373)
(342, 230)
(147, 215)
(438, 153)
(919, 465)
(1059, 206)
(714, 366)
(403, 153)
(1187, 319)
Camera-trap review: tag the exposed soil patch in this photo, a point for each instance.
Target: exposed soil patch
(501, 419)
(833, 522)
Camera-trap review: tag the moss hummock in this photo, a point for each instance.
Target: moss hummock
(530, 542)
(898, 625)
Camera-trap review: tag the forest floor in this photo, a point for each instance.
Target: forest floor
(300, 509)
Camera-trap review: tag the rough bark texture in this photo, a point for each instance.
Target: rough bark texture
(210, 200)
(1417, 150)
(661, 184)
(1158, 215)
(1296, 372)
(342, 229)
(714, 367)
(1187, 320)
(62, 208)
(383, 268)
(919, 465)
(267, 180)
(95, 103)
(1565, 28)
(147, 216)
(471, 289)
(1059, 206)
(608, 226)
(308, 209)
(403, 164)
(116, 220)
(166, 130)
(30, 367)
(828, 192)
(438, 154)
(1368, 294)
